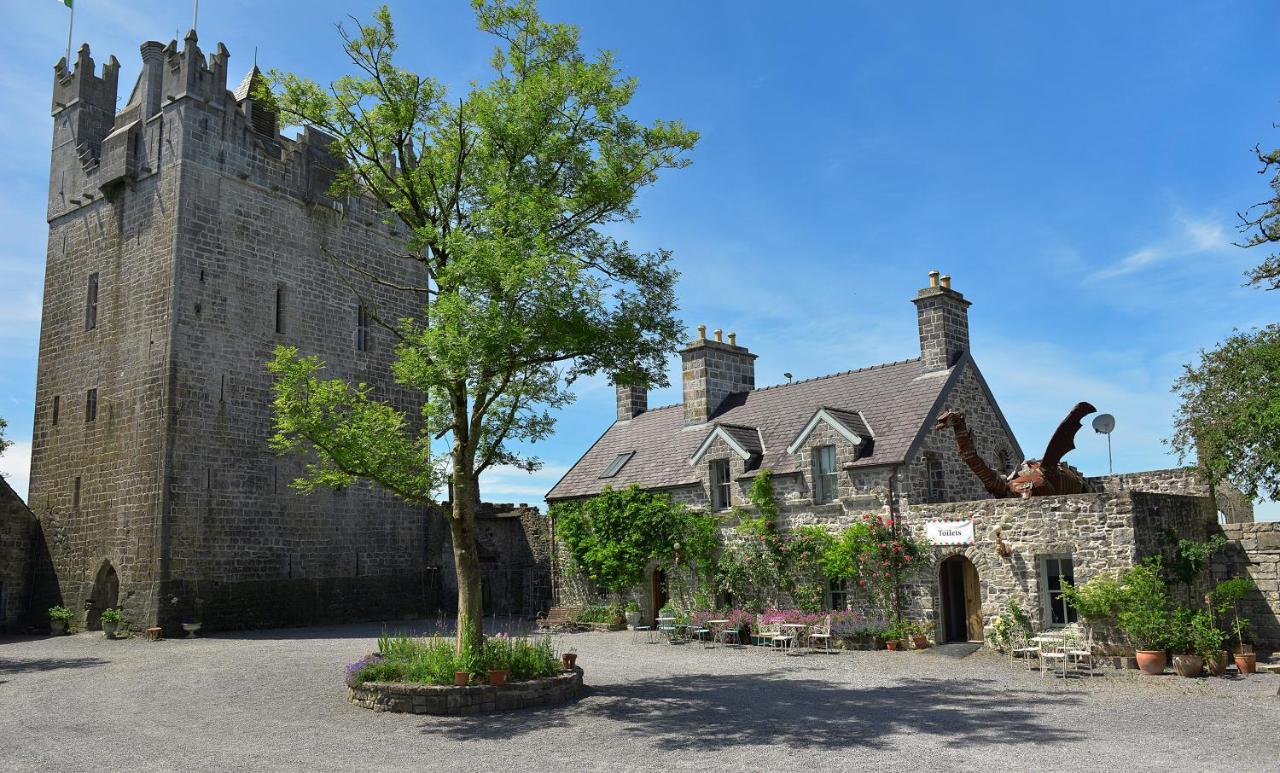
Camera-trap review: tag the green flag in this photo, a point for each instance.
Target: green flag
(67, 3)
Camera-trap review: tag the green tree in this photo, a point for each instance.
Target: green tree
(1229, 417)
(509, 195)
(1260, 223)
(4, 444)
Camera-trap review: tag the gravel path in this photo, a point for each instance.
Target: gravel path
(274, 700)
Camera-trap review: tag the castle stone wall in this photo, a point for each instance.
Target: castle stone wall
(17, 537)
(1253, 551)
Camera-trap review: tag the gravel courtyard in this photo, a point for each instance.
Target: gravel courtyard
(274, 700)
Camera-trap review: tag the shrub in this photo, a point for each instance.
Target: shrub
(1003, 626)
(1144, 614)
(112, 616)
(434, 660)
(1192, 632)
(59, 614)
(601, 613)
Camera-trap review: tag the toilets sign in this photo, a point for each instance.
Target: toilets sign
(949, 532)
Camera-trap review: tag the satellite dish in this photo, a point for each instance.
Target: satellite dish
(1103, 423)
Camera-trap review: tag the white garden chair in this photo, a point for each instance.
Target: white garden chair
(821, 633)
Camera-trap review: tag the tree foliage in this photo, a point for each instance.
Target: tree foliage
(4, 444)
(1260, 223)
(1229, 417)
(614, 536)
(510, 195)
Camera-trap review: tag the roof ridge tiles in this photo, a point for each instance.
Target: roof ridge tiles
(840, 373)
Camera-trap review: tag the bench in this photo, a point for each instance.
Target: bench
(560, 618)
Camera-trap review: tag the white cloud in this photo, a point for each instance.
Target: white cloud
(1194, 237)
(15, 465)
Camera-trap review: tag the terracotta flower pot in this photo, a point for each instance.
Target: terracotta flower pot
(1151, 661)
(1246, 662)
(920, 642)
(1188, 665)
(461, 678)
(893, 645)
(498, 676)
(568, 659)
(1218, 663)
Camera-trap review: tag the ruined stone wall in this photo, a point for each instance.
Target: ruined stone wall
(1253, 551)
(514, 544)
(1235, 507)
(17, 537)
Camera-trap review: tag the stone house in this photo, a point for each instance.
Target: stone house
(864, 441)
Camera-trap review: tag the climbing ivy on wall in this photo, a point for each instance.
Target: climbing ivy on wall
(612, 537)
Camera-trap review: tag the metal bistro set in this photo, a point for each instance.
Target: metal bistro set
(783, 637)
(1061, 651)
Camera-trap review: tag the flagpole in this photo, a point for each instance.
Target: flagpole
(71, 20)
(195, 15)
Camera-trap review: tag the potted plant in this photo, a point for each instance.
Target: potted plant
(895, 636)
(1194, 639)
(1144, 615)
(59, 619)
(1227, 597)
(111, 620)
(920, 634)
(568, 659)
(461, 678)
(498, 676)
(633, 614)
(191, 626)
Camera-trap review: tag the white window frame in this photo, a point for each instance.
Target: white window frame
(1046, 595)
(721, 489)
(837, 588)
(825, 484)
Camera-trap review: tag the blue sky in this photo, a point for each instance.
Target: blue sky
(1075, 168)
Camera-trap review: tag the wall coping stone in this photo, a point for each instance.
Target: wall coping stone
(409, 698)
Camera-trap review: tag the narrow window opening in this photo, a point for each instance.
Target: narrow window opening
(838, 595)
(57, 409)
(280, 309)
(75, 494)
(91, 405)
(720, 485)
(91, 303)
(222, 388)
(934, 478)
(362, 328)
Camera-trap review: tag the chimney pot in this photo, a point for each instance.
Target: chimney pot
(719, 334)
(733, 338)
(702, 332)
(933, 278)
(946, 281)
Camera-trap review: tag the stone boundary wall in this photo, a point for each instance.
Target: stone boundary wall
(17, 535)
(1235, 507)
(1254, 552)
(476, 699)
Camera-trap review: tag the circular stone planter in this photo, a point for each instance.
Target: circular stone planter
(476, 699)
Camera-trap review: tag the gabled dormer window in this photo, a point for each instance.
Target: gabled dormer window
(616, 465)
(824, 474)
(720, 485)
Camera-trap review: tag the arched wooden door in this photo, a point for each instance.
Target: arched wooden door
(659, 593)
(961, 600)
(106, 595)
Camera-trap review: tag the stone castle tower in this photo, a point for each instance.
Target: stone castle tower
(187, 239)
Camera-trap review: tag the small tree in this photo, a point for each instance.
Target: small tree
(1229, 418)
(4, 444)
(509, 196)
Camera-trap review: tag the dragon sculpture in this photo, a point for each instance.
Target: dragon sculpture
(1034, 477)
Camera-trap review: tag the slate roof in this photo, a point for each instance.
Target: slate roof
(897, 399)
(747, 437)
(851, 420)
(245, 89)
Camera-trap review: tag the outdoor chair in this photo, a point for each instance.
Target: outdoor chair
(729, 632)
(642, 633)
(1080, 650)
(1020, 647)
(762, 633)
(821, 633)
(698, 631)
(1053, 654)
(667, 630)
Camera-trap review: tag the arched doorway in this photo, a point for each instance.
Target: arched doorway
(106, 594)
(961, 600)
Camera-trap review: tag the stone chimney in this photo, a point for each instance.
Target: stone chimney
(632, 401)
(151, 81)
(943, 314)
(713, 370)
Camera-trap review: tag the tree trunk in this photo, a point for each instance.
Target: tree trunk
(466, 560)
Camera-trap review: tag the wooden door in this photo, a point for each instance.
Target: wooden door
(972, 601)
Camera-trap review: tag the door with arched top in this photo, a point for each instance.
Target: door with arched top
(106, 595)
(961, 598)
